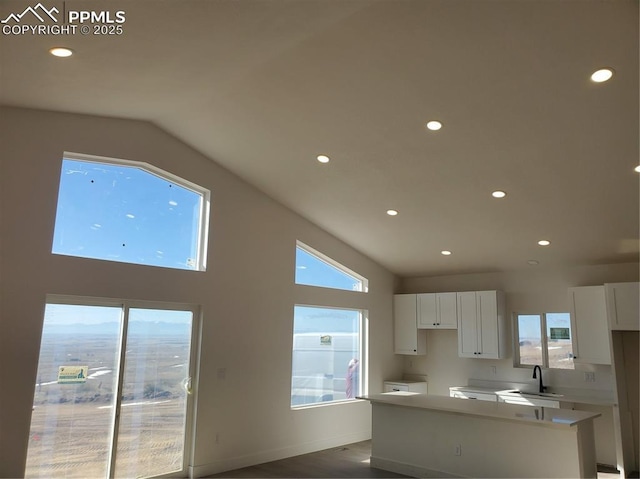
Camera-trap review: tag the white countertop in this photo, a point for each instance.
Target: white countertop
(578, 396)
(550, 417)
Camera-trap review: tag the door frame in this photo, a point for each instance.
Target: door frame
(194, 360)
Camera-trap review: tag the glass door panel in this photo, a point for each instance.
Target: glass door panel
(72, 420)
(108, 403)
(153, 413)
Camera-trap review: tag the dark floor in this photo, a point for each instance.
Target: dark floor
(350, 461)
(347, 461)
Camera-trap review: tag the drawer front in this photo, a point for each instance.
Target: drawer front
(473, 395)
(389, 387)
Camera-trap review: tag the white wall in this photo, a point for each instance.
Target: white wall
(247, 293)
(533, 290)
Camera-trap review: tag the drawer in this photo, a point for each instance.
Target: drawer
(405, 386)
(474, 395)
(389, 387)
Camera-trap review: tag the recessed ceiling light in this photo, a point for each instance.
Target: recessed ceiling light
(323, 158)
(61, 52)
(637, 169)
(392, 212)
(532, 262)
(445, 252)
(434, 125)
(498, 194)
(544, 242)
(602, 75)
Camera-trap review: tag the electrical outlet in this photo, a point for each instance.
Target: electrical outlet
(590, 376)
(493, 370)
(458, 450)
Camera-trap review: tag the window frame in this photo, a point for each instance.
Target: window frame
(544, 340)
(204, 193)
(362, 353)
(339, 299)
(125, 305)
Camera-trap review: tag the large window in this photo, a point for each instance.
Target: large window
(329, 341)
(131, 212)
(543, 339)
(326, 355)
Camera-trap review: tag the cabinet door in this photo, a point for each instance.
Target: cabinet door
(468, 325)
(447, 310)
(488, 321)
(407, 339)
(427, 311)
(589, 324)
(623, 306)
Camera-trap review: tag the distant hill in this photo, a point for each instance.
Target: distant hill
(149, 328)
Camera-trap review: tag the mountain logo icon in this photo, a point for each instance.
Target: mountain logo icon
(39, 11)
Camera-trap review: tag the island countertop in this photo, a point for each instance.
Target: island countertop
(542, 416)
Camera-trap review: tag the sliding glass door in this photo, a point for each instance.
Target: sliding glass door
(112, 397)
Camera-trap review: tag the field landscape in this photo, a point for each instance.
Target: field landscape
(72, 424)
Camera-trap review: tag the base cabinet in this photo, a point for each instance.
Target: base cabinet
(405, 386)
(461, 394)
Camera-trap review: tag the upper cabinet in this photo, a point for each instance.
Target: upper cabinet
(623, 306)
(407, 339)
(437, 311)
(481, 325)
(589, 325)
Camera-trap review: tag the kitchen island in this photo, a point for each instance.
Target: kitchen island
(437, 436)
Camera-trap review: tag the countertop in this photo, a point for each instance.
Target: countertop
(568, 395)
(542, 416)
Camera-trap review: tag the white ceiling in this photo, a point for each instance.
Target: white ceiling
(262, 87)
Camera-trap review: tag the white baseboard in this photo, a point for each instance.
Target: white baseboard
(408, 469)
(261, 457)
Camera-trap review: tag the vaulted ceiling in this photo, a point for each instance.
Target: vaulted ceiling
(264, 87)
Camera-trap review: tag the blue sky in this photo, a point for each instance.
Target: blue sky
(126, 214)
(312, 271)
(65, 314)
(529, 324)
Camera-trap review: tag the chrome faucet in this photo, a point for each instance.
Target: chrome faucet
(541, 388)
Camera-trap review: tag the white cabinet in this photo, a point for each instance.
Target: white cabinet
(589, 325)
(407, 339)
(406, 386)
(437, 311)
(623, 306)
(481, 325)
